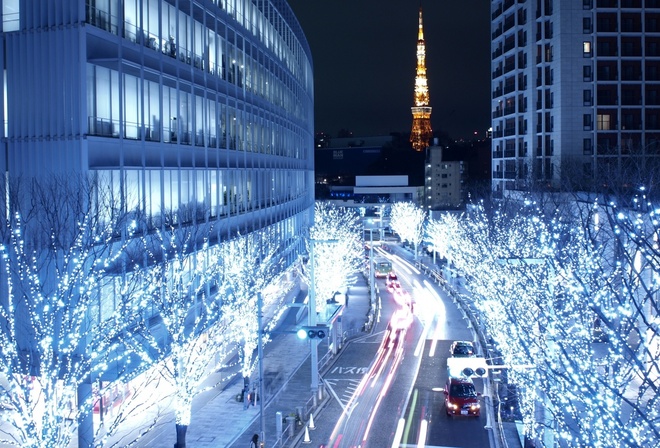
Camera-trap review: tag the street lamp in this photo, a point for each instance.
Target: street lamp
(260, 354)
(372, 275)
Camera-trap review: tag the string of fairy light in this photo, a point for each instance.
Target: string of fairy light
(598, 263)
(336, 237)
(543, 283)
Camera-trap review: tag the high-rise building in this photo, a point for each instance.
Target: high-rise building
(195, 113)
(176, 104)
(421, 132)
(575, 91)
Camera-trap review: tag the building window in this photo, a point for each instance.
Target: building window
(587, 4)
(586, 98)
(548, 53)
(586, 147)
(586, 49)
(603, 122)
(586, 25)
(10, 15)
(587, 74)
(586, 120)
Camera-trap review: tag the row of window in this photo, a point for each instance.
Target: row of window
(177, 196)
(161, 20)
(215, 47)
(137, 108)
(629, 121)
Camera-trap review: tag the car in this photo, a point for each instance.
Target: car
(391, 277)
(461, 397)
(462, 349)
(394, 287)
(401, 319)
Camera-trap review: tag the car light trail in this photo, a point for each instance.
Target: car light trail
(421, 341)
(407, 265)
(383, 391)
(401, 262)
(391, 349)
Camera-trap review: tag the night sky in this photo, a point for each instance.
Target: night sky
(364, 56)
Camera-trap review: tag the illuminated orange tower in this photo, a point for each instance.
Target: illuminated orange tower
(421, 128)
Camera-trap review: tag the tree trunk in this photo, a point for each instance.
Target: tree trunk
(181, 436)
(85, 419)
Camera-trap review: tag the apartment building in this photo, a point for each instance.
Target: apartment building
(444, 180)
(575, 91)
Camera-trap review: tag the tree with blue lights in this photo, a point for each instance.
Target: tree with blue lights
(572, 306)
(181, 333)
(336, 242)
(407, 219)
(249, 266)
(62, 243)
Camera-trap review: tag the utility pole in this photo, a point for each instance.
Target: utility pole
(372, 275)
(311, 321)
(260, 352)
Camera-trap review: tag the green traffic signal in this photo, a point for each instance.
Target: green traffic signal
(317, 332)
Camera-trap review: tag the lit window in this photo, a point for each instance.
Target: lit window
(586, 49)
(603, 122)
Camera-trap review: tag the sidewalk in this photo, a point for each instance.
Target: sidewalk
(219, 420)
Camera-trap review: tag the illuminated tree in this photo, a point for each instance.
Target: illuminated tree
(439, 231)
(407, 219)
(336, 242)
(183, 332)
(627, 312)
(62, 241)
(572, 313)
(250, 264)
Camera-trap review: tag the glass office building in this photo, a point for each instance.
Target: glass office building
(192, 111)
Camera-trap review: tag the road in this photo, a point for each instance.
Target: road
(387, 386)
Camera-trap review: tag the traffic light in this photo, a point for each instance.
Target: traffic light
(469, 366)
(479, 371)
(316, 332)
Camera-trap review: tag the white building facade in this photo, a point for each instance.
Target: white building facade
(443, 181)
(194, 113)
(201, 110)
(575, 90)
